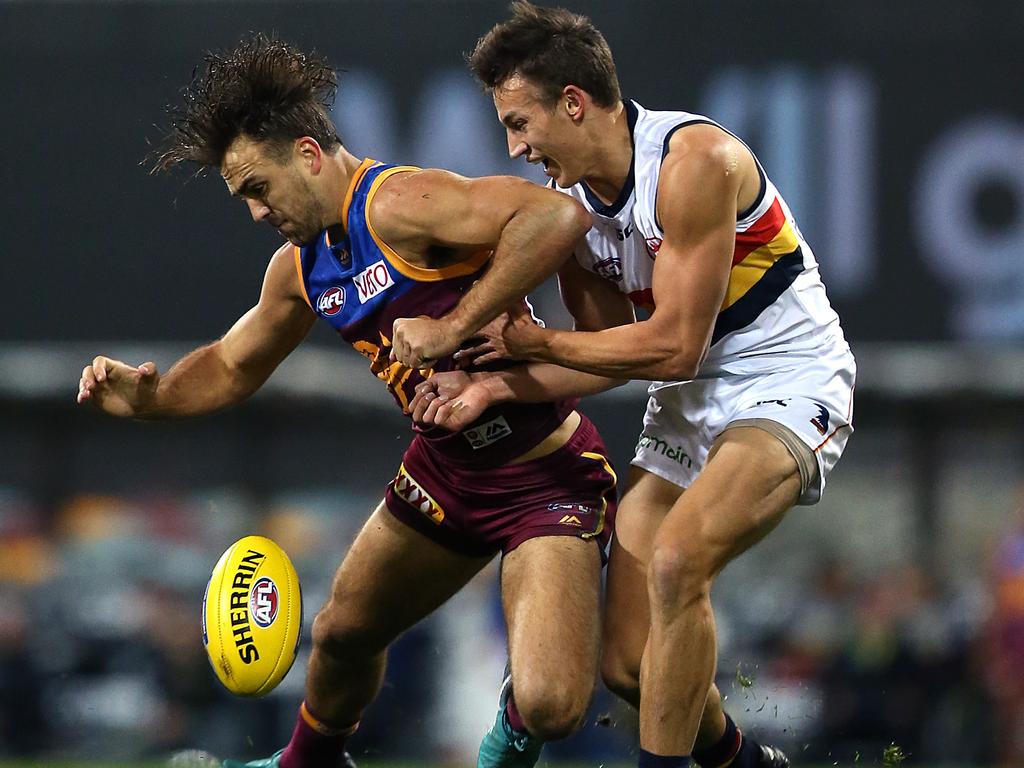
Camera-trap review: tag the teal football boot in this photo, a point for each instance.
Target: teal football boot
(274, 761)
(267, 762)
(503, 746)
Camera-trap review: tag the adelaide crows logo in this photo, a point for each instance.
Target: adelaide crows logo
(610, 268)
(820, 421)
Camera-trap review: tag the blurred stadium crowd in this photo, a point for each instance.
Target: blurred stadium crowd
(100, 650)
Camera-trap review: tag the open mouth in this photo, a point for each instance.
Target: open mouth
(550, 167)
(542, 160)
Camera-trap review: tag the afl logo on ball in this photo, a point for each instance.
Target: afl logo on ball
(263, 602)
(331, 301)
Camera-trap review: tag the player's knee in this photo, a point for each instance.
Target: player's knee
(552, 711)
(677, 575)
(338, 632)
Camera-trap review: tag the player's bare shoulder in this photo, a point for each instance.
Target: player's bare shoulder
(417, 209)
(405, 202)
(705, 153)
(282, 281)
(709, 147)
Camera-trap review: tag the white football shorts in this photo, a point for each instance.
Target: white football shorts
(809, 393)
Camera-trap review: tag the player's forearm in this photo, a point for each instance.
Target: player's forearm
(634, 351)
(199, 383)
(543, 383)
(533, 245)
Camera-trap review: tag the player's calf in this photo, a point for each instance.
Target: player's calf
(620, 673)
(719, 742)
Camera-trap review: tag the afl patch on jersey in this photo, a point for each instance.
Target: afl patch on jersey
(331, 301)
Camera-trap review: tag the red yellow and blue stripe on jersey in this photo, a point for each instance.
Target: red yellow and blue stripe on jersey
(766, 261)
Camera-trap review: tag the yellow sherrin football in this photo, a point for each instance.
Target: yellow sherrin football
(252, 616)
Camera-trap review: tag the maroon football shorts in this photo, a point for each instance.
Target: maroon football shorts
(569, 492)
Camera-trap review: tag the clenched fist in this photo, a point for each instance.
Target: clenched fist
(419, 341)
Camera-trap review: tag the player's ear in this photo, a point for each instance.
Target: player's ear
(574, 101)
(310, 153)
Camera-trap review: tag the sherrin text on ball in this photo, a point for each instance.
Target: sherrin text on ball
(252, 616)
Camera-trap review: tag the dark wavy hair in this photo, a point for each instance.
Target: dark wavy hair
(264, 89)
(553, 48)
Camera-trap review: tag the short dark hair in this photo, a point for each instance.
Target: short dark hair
(264, 89)
(553, 48)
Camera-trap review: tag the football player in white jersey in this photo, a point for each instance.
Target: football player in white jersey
(751, 400)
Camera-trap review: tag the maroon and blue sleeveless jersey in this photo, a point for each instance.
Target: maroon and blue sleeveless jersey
(360, 285)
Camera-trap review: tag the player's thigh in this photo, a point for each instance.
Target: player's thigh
(391, 577)
(627, 616)
(551, 588)
(749, 482)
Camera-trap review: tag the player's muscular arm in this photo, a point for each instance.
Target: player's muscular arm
(531, 230)
(702, 179)
(219, 374)
(231, 369)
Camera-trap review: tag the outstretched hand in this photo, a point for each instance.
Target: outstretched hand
(118, 388)
(452, 400)
(509, 336)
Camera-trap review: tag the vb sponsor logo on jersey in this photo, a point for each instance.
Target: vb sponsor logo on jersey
(676, 453)
(373, 280)
(331, 301)
(485, 434)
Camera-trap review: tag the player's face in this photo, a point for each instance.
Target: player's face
(276, 190)
(538, 131)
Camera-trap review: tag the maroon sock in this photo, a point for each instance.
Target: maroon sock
(313, 744)
(514, 718)
(723, 752)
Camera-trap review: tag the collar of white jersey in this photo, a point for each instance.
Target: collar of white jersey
(632, 112)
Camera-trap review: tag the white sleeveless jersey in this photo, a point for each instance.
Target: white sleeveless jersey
(775, 303)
